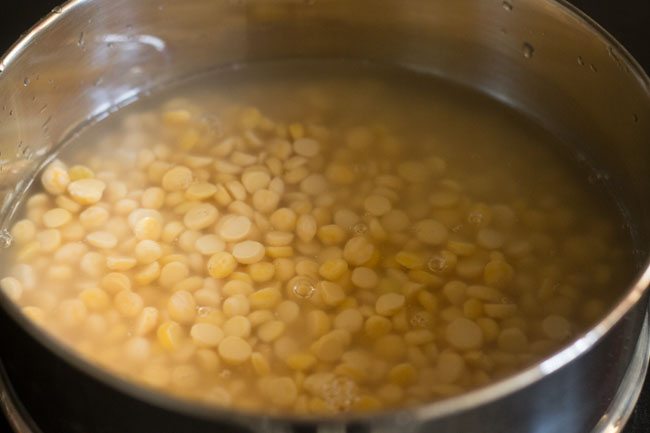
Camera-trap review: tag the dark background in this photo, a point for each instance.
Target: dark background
(627, 20)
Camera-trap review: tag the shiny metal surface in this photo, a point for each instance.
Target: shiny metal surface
(15, 413)
(540, 56)
(614, 419)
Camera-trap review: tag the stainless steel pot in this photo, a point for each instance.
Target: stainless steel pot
(541, 56)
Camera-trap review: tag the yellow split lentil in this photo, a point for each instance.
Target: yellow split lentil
(322, 244)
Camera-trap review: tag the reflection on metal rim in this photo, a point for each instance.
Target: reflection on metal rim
(628, 392)
(13, 410)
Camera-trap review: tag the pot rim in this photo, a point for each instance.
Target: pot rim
(404, 416)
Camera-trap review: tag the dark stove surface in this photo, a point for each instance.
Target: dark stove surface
(627, 20)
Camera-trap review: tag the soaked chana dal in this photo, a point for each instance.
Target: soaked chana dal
(316, 239)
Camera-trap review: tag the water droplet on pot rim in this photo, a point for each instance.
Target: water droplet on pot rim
(528, 50)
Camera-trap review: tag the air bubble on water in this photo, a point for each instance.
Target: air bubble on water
(507, 5)
(359, 229)
(204, 311)
(580, 60)
(420, 320)
(528, 50)
(475, 218)
(213, 121)
(303, 287)
(82, 40)
(26, 81)
(5, 238)
(340, 393)
(437, 264)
